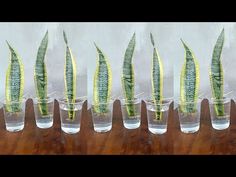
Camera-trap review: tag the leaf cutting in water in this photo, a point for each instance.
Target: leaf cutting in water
(70, 79)
(157, 80)
(217, 76)
(127, 78)
(102, 83)
(14, 82)
(40, 76)
(189, 82)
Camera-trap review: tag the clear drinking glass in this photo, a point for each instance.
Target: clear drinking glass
(131, 113)
(157, 115)
(43, 109)
(102, 116)
(14, 115)
(189, 116)
(70, 113)
(220, 113)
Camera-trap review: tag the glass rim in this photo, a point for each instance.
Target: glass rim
(4, 102)
(38, 100)
(168, 100)
(199, 100)
(111, 101)
(224, 99)
(78, 100)
(135, 100)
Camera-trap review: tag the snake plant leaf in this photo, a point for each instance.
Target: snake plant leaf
(102, 83)
(189, 82)
(217, 75)
(40, 76)
(157, 80)
(70, 79)
(127, 78)
(14, 82)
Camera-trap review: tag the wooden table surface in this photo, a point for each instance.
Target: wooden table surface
(119, 140)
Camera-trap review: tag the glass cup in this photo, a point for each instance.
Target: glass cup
(14, 115)
(70, 114)
(131, 113)
(189, 116)
(43, 109)
(102, 116)
(157, 115)
(220, 113)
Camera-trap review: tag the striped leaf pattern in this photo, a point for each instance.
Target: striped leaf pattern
(217, 75)
(127, 78)
(102, 83)
(70, 79)
(157, 80)
(40, 76)
(189, 82)
(14, 82)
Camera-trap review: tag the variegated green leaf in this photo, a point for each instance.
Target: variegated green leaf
(217, 75)
(102, 83)
(127, 78)
(70, 79)
(40, 76)
(14, 82)
(157, 80)
(189, 82)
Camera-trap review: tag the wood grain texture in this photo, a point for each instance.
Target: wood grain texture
(119, 140)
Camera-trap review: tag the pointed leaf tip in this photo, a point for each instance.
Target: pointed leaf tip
(222, 32)
(10, 47)
(65, 38)
(220, 39)
(185, 46)
(132, 40)
(98, 49)
(46, 35)
(7, 43)
(152, 39)
(133, 37)
(95, 44)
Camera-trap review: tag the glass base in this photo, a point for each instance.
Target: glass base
(131, 124)
(220, 124)
(157, 130)
(15, 127)
(44, 123)
(70, 129)
(190, 128)
(102, 127)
